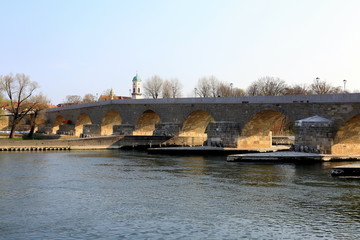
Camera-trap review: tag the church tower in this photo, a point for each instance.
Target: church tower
(136, 87)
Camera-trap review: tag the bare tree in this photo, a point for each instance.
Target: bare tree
(73, 99)
(297, 89)
(176, 88)
(214, 85)
(166, 89)
(171, 88)
(253, 89)
(89, 98)
(322, 87)
(18, 89)
(267, 86)
(238, 92)
(152, 87)
(40, 102)
(224, 90)
(204, 87)
(272, 86)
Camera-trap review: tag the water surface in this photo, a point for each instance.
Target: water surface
(133, 195)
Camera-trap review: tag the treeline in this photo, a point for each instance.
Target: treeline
(270, 86)
(87, 98)
(155, 87)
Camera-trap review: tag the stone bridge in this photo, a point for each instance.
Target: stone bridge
(320, 123)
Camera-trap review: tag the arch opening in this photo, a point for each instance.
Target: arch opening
(82, 120)
(58, 121)
(110, 119)
(259, 130)
(347, 138)
(195, 124)
(146, 123)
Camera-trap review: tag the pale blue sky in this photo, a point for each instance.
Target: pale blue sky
(83, 46)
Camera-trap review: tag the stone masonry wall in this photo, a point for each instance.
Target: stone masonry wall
(66, 129)
(254, 142)
(91, 130)
(123, 129)
(167, 129)
(315, 138)
(223, 134)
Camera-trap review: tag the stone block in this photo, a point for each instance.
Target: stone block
(314, 134)
(167, 129)
(346, 149)
(223, 134)
(123, 129)
(91, 130)
(254, 142)
(66, 129)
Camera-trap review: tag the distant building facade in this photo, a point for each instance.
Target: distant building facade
(109, 97)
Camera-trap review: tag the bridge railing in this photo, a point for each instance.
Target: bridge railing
(323, 98)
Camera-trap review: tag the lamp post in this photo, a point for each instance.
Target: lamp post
(344, 84)
(173, 91)
(231, 89)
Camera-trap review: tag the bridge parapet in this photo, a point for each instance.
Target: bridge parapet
(324, 98)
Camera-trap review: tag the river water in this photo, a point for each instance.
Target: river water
(133, 195)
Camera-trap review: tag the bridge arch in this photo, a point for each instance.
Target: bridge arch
(82, 120)
(195, 124)
(57, 122)
(40, 122)
(258, 131)
(347, 137)
(146, 123)
(110, 118)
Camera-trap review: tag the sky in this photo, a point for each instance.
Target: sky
(75, 47)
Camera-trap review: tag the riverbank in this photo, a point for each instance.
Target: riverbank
(154, 145)
(278, 153)
(106, 142)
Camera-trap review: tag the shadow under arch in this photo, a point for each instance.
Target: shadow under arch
(195, 124)
(82, 120)
(258, 131)
(111, 118)
(146, 124)
(347, 138)
(57, 122)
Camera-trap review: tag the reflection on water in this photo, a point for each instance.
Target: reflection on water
(132, 195)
